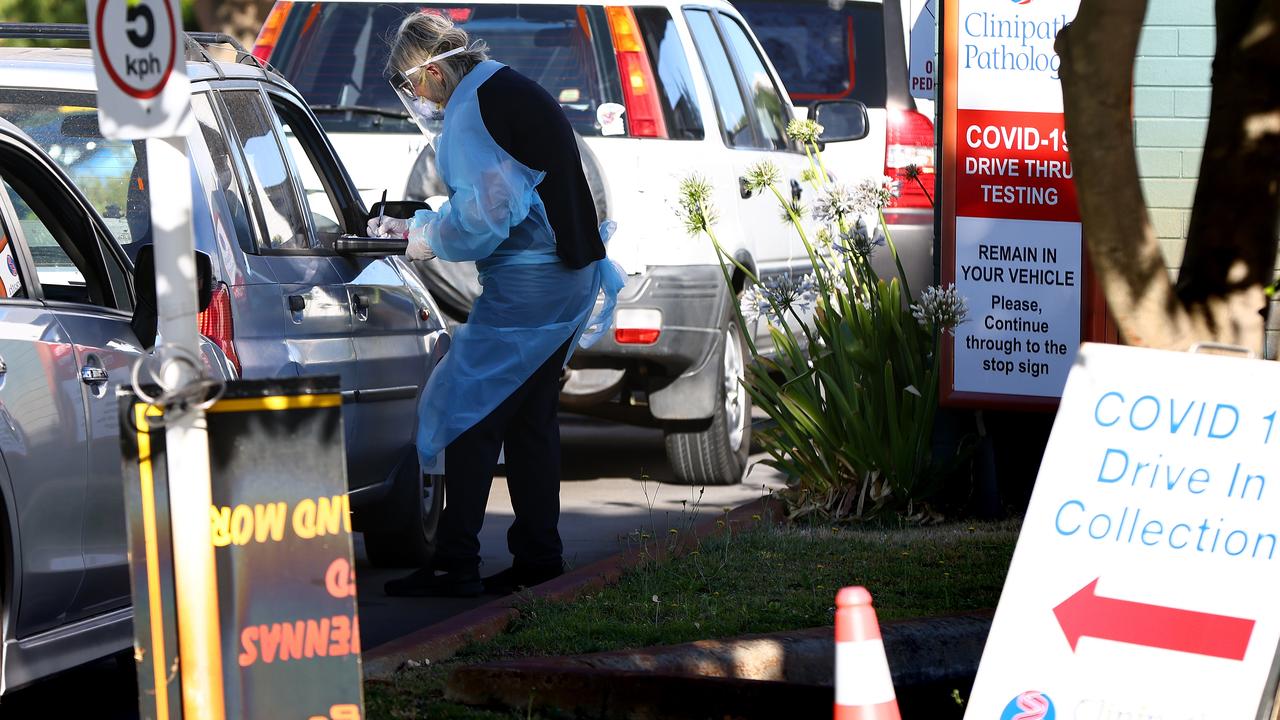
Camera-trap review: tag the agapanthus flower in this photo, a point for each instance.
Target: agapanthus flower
(805, 131)
(777, 294)
(809, 175)
(941, 308)
(859, 240)
(697, 209)
(873, 194)
(823, 238)
(762, 175)
(837, 203)
(794, 207)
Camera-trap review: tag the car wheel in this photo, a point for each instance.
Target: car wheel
(715, 452)
(413, 514)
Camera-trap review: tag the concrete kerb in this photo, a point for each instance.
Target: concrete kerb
(768, 675)
(442, 640)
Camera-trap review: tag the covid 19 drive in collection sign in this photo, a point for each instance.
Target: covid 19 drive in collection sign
(1148, 564)
(1011, 228)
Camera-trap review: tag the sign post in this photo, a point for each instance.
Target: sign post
(1146, 572)
(1011, 238)
(143, 92)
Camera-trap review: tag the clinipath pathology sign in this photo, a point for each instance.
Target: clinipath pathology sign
(1011, 230)
(1145, 579)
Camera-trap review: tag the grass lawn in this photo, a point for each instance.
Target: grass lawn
(764, 579)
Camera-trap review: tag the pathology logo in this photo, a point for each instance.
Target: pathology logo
(1030, 705)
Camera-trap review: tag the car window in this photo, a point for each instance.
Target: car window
(770, 108)
(112, 174)
(53, 265)
(335, 54)
(734, 122)
(325, 216)
(69, 262)
(671, 67)
(224, 168)
(820, 53)
(269, 177)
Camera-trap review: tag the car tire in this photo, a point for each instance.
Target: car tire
(411, 520)
(715, 451)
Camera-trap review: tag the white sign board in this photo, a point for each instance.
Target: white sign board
(1012, 228)
(1145, 579)
(143, 91)
(924, 51)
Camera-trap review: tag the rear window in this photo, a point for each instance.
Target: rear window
(335, 55)
(823, 54)
(112, 174)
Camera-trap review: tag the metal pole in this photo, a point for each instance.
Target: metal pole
(186, 435)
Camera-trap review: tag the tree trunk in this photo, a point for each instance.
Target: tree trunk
(1231, 243)
(1230, 248)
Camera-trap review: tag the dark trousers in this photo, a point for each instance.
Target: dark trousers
(528, 424)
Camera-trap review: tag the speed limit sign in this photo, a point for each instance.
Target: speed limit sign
(139, 63)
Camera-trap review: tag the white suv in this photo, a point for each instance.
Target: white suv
(832, 49)
(657, 90)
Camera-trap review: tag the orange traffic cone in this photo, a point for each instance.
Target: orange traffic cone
(864, 688)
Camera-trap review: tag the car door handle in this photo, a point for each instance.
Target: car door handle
(797, 190)
(93, 375)
(4, 366)
(297, 303)
(360, 302)
(744, 188)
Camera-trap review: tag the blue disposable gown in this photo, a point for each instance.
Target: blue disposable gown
(531, 303)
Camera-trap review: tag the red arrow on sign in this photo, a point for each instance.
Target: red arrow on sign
(1086, 613)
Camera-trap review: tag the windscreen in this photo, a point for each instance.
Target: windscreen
(823, 54)
(335, 54)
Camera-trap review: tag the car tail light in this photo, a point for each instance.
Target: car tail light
(214, 322)
(910, 141)
(270, 31)
(639, 90)
(637, 326)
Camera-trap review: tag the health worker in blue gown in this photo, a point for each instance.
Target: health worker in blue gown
(520, 208)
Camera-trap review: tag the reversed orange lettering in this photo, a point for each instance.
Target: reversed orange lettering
(270, 638)
(269, 521)
(241, 524)
(340, 634)
(339, 580)
(318, 637)
(250, 653)
(220, 520)
(304, 519)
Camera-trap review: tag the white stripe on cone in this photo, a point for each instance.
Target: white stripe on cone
(862, 673)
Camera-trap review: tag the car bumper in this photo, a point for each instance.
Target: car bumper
(693, 301)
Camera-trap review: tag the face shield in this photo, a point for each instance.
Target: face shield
(427, 115)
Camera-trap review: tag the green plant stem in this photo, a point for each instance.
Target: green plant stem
(897, 261)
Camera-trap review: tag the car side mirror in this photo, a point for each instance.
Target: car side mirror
(145, 313)
(841, 120)
(403, 209)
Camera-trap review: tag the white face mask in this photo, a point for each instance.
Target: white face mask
(429, 117)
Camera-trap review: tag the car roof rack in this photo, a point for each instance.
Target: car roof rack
(195, 43)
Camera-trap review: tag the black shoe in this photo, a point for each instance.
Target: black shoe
(516, 578)
(429, 582)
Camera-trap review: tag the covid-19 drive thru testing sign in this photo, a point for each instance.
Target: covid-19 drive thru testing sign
(1011, 238)
(1147, 572)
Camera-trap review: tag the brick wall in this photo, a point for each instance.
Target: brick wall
(1171, 110)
